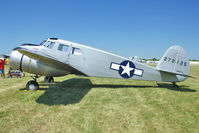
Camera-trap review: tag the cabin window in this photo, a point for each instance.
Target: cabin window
(49, 44)
(63, 48)
(76, 51)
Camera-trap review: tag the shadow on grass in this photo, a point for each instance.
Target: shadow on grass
(67, 92)
(73, 90)
(181, 88)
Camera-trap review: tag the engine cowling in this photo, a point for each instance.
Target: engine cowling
(22, 62)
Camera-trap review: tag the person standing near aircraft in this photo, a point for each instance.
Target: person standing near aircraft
(2, 63)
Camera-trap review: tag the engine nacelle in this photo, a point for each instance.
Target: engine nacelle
(22, 62)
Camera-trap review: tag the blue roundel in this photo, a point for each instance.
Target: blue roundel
(126, 69)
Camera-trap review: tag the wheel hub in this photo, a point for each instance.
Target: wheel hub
(32, 87)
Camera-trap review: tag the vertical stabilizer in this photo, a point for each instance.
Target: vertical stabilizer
(176, 61)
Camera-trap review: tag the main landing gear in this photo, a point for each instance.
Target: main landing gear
(48, 80)
(32, 85)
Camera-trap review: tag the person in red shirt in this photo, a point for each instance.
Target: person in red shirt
(2, 63)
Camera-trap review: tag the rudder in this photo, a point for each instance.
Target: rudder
(175, 61)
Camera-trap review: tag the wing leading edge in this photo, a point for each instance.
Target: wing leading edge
(49, 60)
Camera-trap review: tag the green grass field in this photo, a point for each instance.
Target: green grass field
(88, 104)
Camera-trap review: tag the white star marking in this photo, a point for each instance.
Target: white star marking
(127, 69)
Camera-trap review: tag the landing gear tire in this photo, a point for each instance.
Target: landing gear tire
(49, 80)
(32, 85)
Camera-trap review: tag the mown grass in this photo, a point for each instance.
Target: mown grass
(88, 104)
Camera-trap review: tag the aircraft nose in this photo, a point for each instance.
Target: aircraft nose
(15, 60)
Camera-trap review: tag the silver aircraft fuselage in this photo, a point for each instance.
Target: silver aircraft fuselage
(56, 57)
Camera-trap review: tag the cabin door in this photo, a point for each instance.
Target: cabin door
(63, 52)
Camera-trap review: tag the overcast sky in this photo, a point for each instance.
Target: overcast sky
(145, 28)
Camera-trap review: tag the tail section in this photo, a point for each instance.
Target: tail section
(175, 61)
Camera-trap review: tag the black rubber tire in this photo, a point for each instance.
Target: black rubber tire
(32, 86)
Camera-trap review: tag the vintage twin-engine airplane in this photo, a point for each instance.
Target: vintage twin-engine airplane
(55, 57)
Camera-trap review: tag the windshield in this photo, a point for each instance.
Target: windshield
(42, 42)
(48, 44)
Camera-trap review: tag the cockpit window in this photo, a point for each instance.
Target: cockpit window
(42, 42)
(76, 51)
(63, 48)
(49, 44)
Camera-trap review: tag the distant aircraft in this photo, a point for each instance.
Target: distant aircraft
(55, 57)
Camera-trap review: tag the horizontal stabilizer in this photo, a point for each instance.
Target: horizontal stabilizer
(177, 73)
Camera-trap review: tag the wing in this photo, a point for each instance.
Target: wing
(48, 60)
